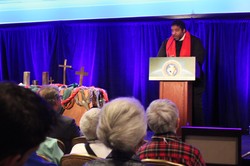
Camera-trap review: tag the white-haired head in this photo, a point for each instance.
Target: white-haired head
(162, 116)
(122, 124)
(89, 122)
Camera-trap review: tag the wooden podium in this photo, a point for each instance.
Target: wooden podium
(175, 75)
(181, 94)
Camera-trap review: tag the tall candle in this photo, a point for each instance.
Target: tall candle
(45, 80)
(26, 78)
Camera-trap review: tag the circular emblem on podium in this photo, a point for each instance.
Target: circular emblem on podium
(171, 68)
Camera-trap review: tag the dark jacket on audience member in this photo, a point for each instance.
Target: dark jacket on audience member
(65, 130)
(117, 158)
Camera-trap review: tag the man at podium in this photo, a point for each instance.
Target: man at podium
(182, 44)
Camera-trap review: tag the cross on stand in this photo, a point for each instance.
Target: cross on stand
(64, 70)
(82, 73)
(51, 80)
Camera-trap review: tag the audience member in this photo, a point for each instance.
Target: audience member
(122, 127)
(88, 125)
(25, 121)
(163, 120)
(66, 128)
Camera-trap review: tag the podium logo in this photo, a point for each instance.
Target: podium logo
(171, 68)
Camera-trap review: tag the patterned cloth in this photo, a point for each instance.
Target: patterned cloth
(168, 147)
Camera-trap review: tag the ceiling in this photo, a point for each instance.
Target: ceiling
(20, 11)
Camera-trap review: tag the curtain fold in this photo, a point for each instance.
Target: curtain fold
(115, 53)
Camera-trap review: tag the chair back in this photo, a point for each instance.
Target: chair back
(218, 145)
(44, 157)
(152, 162)
(76, 159)
(77, 140)
(61, 145)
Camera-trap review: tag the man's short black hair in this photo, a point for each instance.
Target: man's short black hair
(179, 23)
(25, 119)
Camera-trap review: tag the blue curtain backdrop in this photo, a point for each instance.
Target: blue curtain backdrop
(116, 54)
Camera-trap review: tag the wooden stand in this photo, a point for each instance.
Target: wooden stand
(181, 94)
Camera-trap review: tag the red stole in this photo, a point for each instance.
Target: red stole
(185, 48)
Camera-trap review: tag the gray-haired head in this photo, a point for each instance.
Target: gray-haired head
(162, 115)
(88, 123)
(122, 124)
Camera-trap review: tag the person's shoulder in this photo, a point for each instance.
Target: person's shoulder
(67, 119)
(195, 153)
(49, 143)
(195, 38)
(66, 122)
(191, 148)
(70, 124)
(145, 147)
(51, 140)
(165, 41)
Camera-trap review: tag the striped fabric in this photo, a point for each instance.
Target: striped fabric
(169, 147)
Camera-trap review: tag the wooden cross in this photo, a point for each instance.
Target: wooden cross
(64, 70)
(50, 80)
(82, 73)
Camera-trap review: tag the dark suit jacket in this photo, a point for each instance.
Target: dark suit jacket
(65, 130)
(197, 51)
(117, 158)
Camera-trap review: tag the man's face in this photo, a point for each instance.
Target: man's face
(177, 32)
(58, 105)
